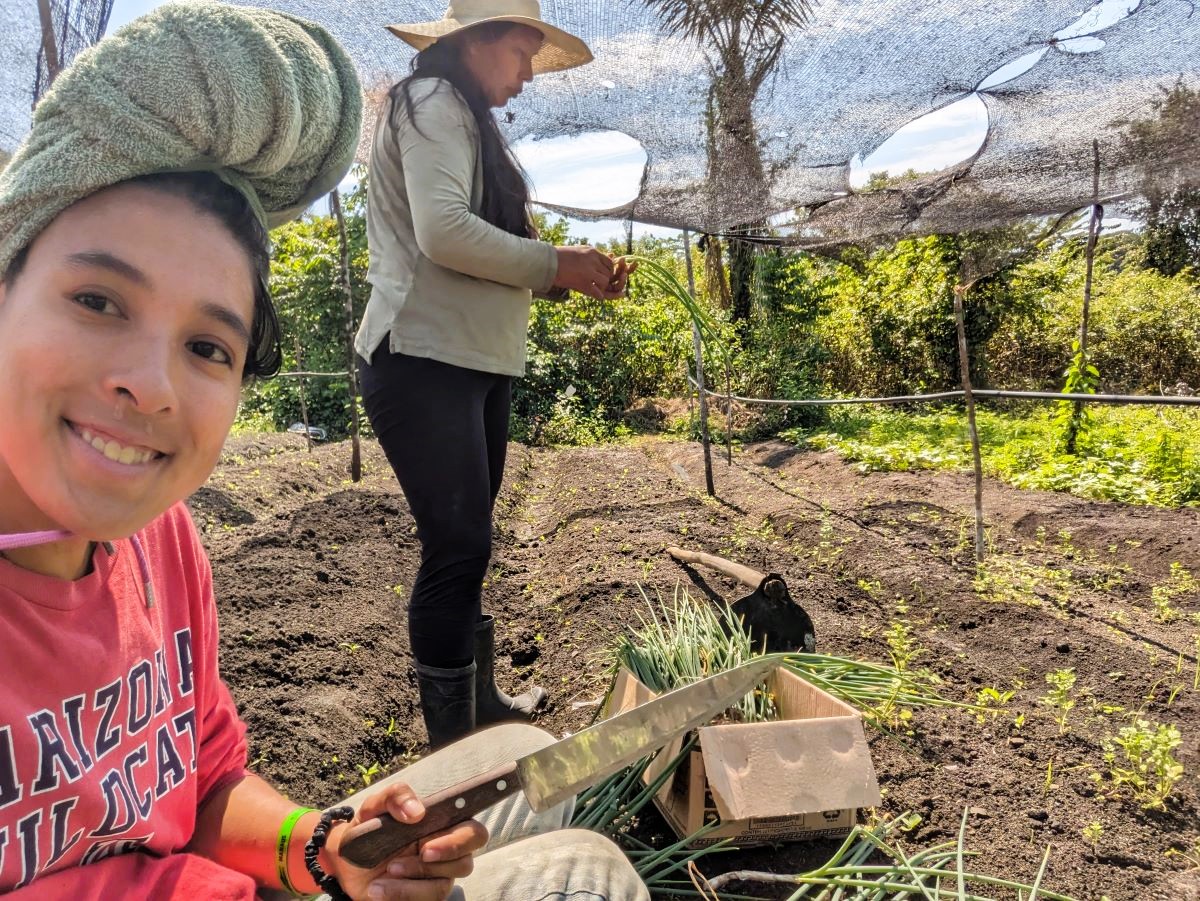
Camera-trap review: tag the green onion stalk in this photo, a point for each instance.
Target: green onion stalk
(657, 276)
(937, 873)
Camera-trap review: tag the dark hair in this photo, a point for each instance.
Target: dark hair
(210, 195)
(505, 191)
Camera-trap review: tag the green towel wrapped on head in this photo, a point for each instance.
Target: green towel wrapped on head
(268, 101)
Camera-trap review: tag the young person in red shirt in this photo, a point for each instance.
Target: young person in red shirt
(133, 306)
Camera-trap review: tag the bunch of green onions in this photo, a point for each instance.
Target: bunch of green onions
(937, 873)
(690, 640)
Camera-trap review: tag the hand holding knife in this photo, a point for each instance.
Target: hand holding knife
(555, 773)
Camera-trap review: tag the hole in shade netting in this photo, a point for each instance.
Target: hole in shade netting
(596, 170)
(1101, 15)
(931, 143)
(953, 134)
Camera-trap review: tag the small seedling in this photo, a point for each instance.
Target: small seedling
(990, 702)
(349, 646)
(368, 774)
(1191, 855)
(1059, 699)
(1196, 674)
(1092, 833)
(1180, 582)
(1065, 544)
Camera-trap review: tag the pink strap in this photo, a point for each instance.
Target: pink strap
(28, 539)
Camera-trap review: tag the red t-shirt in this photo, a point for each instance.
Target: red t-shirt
(114, 725)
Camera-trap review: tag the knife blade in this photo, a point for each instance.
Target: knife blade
(559, 771)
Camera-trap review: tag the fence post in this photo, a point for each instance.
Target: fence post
(335, 202)
(964, 362)
(49, 44)
(303, 400)
(700, 387)
(1094, 224)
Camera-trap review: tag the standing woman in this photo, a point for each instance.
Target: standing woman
(454, 263)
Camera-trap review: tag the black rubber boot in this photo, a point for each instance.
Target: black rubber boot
(447, 702)
(491, 704)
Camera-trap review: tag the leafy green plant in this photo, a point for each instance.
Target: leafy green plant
(1082, 377)
(1058, 699)
(903, 647)
(1136, 455)
(1092, 833)
(1140, 758)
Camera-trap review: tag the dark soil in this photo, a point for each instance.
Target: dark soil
(312, 573)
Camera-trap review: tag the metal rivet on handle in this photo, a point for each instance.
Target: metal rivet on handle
(501, 785)
(460, 803)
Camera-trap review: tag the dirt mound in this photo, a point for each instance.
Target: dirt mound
(312, 574)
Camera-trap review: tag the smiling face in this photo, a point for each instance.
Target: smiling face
(504, 65)
(122, 343)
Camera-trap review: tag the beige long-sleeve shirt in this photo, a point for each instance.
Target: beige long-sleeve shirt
(445, 284)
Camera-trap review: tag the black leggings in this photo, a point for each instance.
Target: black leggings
(445, 432)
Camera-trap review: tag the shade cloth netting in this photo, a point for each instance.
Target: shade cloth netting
(24, 71)
(843, 84)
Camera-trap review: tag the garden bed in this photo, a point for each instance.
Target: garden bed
(311, 575)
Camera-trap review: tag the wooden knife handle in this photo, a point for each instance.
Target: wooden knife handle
(372, 842)
(751, 578)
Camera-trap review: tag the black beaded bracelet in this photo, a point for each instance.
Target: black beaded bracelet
(327, 883)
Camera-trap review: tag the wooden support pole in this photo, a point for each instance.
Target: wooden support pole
(303, 400)
(728, 416)
(964, 362)
(49, 43)
(698, 343)
(335, 203)
(1094, 225)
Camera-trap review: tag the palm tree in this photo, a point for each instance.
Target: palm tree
(743, 40)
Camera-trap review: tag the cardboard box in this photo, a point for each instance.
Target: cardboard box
(802, 777)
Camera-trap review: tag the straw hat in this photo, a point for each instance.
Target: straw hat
(559, 49)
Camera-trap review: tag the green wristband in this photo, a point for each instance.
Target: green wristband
(284, 842)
